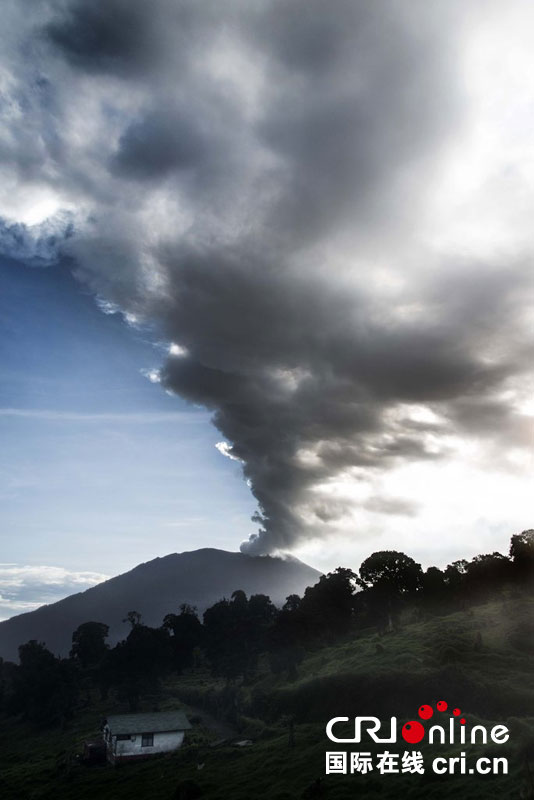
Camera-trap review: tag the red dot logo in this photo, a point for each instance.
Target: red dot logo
(425, 712)
(462, 721)
(412, 732)
(456, 712)
(442, 705)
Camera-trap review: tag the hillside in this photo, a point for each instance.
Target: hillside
(199, 577)
(470, 658)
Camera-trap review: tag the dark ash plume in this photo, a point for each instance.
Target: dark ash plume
(254, 190)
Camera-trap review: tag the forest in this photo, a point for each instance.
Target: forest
(240, 636)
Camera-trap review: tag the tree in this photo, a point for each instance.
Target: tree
(223, 639)
(433, 588)
(326, 610)
(45, 687)
(261, 614)
(486, 572)
(292, 603)
(89, 643)
(522, 554)
(236, 633)
(285, 651)
(135, 665)
(395, 570)
(186, 630)
(133, 617)
(391, 578)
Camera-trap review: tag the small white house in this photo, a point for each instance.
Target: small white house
(130, 737)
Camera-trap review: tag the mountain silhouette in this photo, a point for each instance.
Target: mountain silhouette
(155, 588)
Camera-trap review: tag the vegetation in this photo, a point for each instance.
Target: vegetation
(379, 642)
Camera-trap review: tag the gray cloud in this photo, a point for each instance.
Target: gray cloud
(244, 183)
(355, 107)
(157, 143)
(120, 36)
(391, 505)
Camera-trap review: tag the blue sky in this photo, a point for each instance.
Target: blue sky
(100, 468)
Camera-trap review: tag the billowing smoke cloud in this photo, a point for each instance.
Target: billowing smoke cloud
(267, 184)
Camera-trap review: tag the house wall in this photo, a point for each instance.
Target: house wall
(132, 748)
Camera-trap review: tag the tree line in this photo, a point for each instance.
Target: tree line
(235, 633)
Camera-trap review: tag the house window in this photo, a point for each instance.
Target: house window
(147, 740)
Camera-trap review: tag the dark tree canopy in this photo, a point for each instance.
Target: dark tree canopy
(186, 630)
(235, 633)
(89, 643)
(522, 553)
(46, 689)
(393, 569)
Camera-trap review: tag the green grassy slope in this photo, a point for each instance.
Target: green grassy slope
(465, 658)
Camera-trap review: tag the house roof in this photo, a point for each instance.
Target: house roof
(155, 722)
